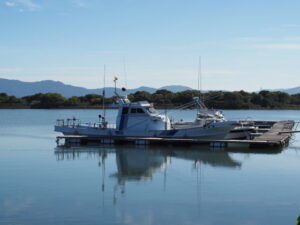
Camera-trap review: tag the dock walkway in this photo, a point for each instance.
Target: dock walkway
(279, 133)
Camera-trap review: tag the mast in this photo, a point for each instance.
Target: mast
(199, 78)
(199, 84)
(103, 94)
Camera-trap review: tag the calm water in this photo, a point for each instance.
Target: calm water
(42, 184)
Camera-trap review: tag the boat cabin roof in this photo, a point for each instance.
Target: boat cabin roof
(132, 104)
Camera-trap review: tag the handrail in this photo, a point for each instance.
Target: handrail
(76, 123)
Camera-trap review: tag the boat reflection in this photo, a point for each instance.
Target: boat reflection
(212, 158)
(128, 164)
(136, 163)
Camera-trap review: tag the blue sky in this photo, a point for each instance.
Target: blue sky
(245, 45)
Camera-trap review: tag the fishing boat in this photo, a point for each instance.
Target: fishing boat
(140, 119)
(207, 116)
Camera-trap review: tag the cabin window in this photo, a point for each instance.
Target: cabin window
(139, 110)
(133, 110)
(125, 110)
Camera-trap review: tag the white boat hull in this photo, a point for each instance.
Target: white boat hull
(213, 132)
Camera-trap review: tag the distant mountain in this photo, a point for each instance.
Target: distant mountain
(21, 89)
(143, 88)
(290, 91)
(176, 88)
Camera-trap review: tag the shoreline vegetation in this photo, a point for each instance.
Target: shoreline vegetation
(162, 99)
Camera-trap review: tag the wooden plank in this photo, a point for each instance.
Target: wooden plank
(289, 132)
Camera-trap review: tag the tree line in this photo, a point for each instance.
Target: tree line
(161, 99)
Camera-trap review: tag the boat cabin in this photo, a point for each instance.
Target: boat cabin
(139, 116)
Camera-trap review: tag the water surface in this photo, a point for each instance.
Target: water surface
(43, 184)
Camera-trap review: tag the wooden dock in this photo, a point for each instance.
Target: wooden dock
(276, 134)
(279, 134)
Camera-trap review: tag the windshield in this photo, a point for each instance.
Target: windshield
(151, 110)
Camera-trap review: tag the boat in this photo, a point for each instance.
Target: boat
(140, 119)
(207, 116)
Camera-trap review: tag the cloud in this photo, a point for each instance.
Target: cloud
(219, 72)
(282, 43)
(290, 25)
(10, 4)
(279, 46)
(22, 5)
(295, 38)
(10, 70)
(79, 3)
(255, 39)
(29, 4)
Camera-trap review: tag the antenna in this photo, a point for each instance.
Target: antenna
(125, 74)
(115, 81)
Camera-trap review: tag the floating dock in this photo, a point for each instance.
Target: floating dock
(268, 134)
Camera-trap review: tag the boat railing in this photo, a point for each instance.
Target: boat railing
(73, 122)
(99, 125)
(69, 122)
